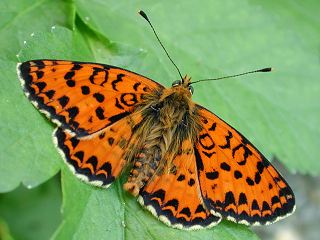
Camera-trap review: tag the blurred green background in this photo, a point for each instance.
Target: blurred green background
(279, 111)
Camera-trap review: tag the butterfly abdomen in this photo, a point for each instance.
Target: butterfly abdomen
(150, 157)
(144, 167)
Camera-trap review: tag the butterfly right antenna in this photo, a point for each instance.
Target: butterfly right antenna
(268, 69)
(144, 15)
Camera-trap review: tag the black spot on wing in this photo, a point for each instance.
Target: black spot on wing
(255, 205)
(186, 211)
(105, 174)
(265, 206)
(39, 74)
(115, 82)
(110, 140)
(41, 85)
(93, 161)
(172, 203)
(225, 166)
(208, 154)
(99, 97)
(257, 178)
(191, 182)
(200, 209)
(118, 105)
(50, 93)
(128, 99)
(95, 72)
(85, 90)
(40, 64)
(136, 85)
(101, 135)
(237, 174)
(260, 167)
(213, 127)
(73, 112)
(69, 75)
(71, 83)
(74, 142)
(249, 181)
(275, 200)
(229, 198)
(63, 101)
(206, 141)
(160, 194)
(212, 175)
(100, 113)
(107, 168)
(242, 199)
(79, 155)
(228, 137)
(76, 66)
(181, 177)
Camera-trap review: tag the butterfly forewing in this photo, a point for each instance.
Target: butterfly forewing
(236, 180)
(82, 97)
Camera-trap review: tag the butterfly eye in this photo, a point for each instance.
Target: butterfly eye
(191, 89)
(176, 83)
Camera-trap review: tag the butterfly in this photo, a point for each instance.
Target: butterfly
(187, 166)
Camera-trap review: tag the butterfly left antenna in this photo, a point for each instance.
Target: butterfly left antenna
(144, 15)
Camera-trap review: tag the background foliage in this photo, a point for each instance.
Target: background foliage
(278, 112)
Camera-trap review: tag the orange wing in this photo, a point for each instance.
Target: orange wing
(82, 97)
(175, 198)
(99, 158)
(237, 182)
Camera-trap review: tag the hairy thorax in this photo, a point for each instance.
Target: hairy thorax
(168, 118)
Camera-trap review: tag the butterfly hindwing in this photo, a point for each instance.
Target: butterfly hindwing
(236, 180)
(82, 97)
(175, 197)
(99, 158)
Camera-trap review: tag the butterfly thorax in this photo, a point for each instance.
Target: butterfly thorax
(169, 118)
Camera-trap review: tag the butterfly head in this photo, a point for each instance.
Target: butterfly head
(184, 83)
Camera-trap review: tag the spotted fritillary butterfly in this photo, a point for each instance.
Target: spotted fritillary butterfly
(188, 167)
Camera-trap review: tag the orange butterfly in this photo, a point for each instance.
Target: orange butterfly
(188, 167)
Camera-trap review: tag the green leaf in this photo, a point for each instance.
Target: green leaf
(21, 18)
(23, 158)
(4, 231)
(278, 112)
(31, 214)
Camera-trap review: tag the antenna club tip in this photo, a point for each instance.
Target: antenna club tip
(268, 69)
(143, 14)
